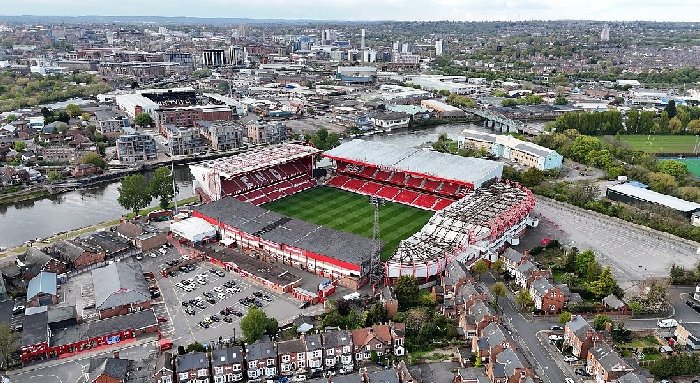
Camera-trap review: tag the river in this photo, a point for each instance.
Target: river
(42, 218)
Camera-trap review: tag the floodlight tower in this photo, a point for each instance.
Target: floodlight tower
(376, 262)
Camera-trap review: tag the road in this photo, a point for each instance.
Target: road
(525, 332)
(634, 254)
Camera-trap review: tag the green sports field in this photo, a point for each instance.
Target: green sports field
(660, 143)
(352, 213)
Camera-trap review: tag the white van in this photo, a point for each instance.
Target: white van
(667, 323)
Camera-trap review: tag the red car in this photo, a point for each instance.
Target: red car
(162, 319)
(545, 241)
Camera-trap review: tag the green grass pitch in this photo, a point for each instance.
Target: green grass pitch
(660, 143)
(352, 213)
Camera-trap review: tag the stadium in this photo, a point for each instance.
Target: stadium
(442, 207)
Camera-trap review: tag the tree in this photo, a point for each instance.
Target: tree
(499, 290)
(498, 267)
(564, 317)
(677, 169)
(523, 299)
(223, 87)
(53, 175)
(508, 102)
(85, 116)
(694, 126)
(8, 338)
(254, 324)
(600, 321)
(143, 119)
(376, 314)
(532, 177)
(322, 139)
(675, 126)
(583, 145)
(134, 193)
(561, 100)
(10, 118)
(604, 285)
(161, 186)
(660, 182)
(202, 73)
(407, 292)
(195, 347)
(582, 260)
(271, 327)
(93, 159)
(62, 116)
(73, 110)
(479, 268)
(670, 109)
(20, 146)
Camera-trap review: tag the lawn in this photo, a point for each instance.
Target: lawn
(660, 143)
(352, 213)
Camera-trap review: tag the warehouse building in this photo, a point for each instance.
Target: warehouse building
(638, 194)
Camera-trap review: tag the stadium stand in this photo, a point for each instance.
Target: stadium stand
(257, 176)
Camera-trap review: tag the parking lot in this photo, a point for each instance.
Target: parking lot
(207, 291)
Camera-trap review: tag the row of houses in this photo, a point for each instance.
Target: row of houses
(332, 350)
(602, 361)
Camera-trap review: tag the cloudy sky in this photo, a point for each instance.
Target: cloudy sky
(462, 10)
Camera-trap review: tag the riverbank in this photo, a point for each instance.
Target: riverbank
(24, 195)
(41, 243)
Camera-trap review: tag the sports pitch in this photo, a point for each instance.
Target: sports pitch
(352, 213)
(660, 143)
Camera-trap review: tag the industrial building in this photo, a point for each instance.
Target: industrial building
(638, 194)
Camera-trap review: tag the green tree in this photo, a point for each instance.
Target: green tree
(271, 327)
(600, 321)
(694, 127)
(582, 260)
(604, 285)
(202, 73)
(532, 177)
(479, 268)
(564, 317)
(8, 339)
(53, 175)
(583, 145)
(20, 146)
(677, 169)
(498, 267)
(523, 299)
(85, 116)
(254, 324)
(376, 313)
(499, 290)
(561, 100)
(161, 186)
(323, 140)
(73, 110)
(407, 292)
(661, 182)
(134, 193)
(93, 159)
(670, 109)
(10, 118)
(508, 102)
(195, 347)
(143, 119)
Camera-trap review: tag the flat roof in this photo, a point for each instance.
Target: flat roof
(654, 197)
(474, 171)
(278, 228)
(256, 159)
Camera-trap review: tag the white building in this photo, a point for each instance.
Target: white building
(518, 151)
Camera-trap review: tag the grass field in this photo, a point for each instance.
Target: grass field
(660, 144)
(352, 213)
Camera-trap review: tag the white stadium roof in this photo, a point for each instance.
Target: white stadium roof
(256, 159)
(474, 171)
(654, 197)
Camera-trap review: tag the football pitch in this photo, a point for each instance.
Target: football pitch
(352, 213)
(660, 143)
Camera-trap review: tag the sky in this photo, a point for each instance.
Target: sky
(423, 10)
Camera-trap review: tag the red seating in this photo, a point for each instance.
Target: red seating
(370, 187)
(406, 196)
(442, 203)
(388, 192)
(431, 185)
(368, 173)
(425, 201)
(381, 175)
(338, 180)
(398, 178)
(448, 189)
(354, 184)
(414, 182)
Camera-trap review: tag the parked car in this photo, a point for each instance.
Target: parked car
(153, 254)
(581, 371)
(304, 305)
(220, 273)
(228, 319)
(218, 289)
(556, 328)
(568, 380)
(570, 358)
(214, 318)
(190, 311)
(139, 257)
(667, 323)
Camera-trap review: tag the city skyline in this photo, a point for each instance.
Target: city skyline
(365, 10)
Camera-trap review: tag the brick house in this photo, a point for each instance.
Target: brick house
(108, 370)
(165, 369)
(262, 360)
(388, 299)
(314, 352)
(227, 364)
(75, 256)
(512, 259)
(120, 288)
(383, 339)
(547, 298)
(192, 368)
(337, 345)
(475, 319)
(507, 368)
(604, 364)
(33, 261)
(491, 342)
(292, 356)
(579, 335)
(42, 290)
